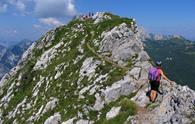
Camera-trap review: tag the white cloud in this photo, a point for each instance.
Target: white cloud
(41, 8)
(54, 8)
(3, 8)
(19, 4)
(70, 7)
(15, 31)
(50, 21)
(36, 26)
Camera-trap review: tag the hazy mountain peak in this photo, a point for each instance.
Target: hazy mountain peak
(159, 37)
(9, 56)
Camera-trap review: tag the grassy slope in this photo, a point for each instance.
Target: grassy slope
(62, 87)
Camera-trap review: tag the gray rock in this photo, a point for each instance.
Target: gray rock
(143, 56)
(88, 67)
(121, 42)
(122, 87)
(135, 72)
(84, 122)
(55, 119)
(99, 103)
(99, 17)
(140, 98)
(113, 112)
(47, 56)
(175, 106)
(70, 121)
(50, 105)
(123, 45)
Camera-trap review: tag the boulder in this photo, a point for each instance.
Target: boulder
(122, 87)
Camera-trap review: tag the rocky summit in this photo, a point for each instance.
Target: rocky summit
(91, 71)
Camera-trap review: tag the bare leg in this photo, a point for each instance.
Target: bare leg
(153, 95)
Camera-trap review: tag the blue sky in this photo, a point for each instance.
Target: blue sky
(20, 19)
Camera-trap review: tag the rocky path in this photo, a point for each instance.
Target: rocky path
(144, 116)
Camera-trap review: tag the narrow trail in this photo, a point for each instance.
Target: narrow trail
(143, 116)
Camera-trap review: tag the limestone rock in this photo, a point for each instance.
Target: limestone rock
(176, 105)
(55, 119)
(88, 67)
(121, 42)
(64, 71)
(50, 105)
(135, 72)
(84, 122)
(113, 112)
(99, 103)
(122, 87)
(47, 57)
(99, 17)
(70, 121)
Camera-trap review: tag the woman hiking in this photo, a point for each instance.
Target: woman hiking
(154, 76)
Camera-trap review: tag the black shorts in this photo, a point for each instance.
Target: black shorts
(154, 85)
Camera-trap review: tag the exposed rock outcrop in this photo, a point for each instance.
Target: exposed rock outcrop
(113, 113)
(176, 105)
(82, 72)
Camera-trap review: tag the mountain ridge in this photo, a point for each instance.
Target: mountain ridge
(88, 71)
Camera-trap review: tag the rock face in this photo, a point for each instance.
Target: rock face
(82, 72)
(121, 43)
(100, 17)
(176, 105)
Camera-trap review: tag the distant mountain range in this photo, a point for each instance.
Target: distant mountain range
(177, 55)
(9, 56)
(9, 43)
(159, 37)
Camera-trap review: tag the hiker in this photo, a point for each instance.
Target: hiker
(154, 76)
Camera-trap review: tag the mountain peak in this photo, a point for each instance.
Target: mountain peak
(92, 70)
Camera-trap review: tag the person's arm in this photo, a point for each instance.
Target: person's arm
(165, 77)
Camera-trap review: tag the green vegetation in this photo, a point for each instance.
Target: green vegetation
(151, 106)
(66, 88)
(181, 67)
(127, 108)
(110, 23)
